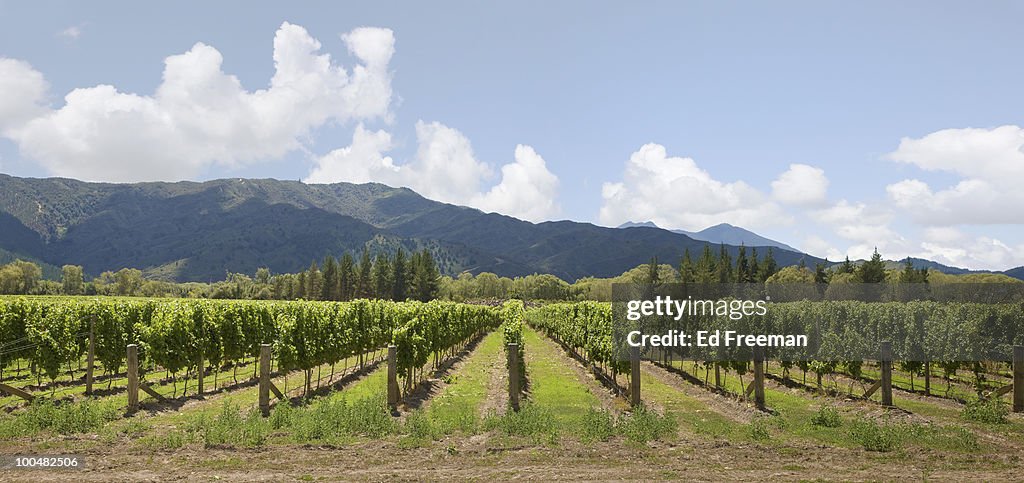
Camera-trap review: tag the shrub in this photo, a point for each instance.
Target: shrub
(827, 416)
(989, 411)
(876, 437)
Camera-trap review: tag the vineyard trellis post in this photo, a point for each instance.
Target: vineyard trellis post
(927, 378)
(513, 376)
(1018, 379)
(133, 378)
(885, 353)
(90, 357)
(392, 377)
(200, 372)
(759, 377)
(634, 376)
(265, 379)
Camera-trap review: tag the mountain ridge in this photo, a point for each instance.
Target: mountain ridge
(720, 233)
(198, 231)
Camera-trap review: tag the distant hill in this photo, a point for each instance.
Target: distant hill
(721, 233)
(190, 231)
(1017, 273)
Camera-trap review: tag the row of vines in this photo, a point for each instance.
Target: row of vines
(924, 335)
(51, 333)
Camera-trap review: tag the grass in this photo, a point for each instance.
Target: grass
(59, 418)
(554, 385)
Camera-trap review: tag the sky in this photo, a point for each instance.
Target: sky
(832, 127)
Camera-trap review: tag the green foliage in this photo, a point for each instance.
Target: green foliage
(597, 425)
(989, 411)
(644, 425)
(59, 418)
(229, 428)
(827, 416)
(873, 436)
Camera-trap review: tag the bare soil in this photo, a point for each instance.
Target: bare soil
(462, 459)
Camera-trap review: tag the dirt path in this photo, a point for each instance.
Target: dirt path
(724, 405)
(377, 461)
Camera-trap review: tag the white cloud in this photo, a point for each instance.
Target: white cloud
(199, 115)
(674, 192)
(819, 247)
(22, 94)
(446, 169)
(527, 189)
(953, 247)
(361, 162)
(71, 33)
(801, 185)
(996, 154)
(990, 163)
(865, 226)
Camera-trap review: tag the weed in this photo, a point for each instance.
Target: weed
(876, 437)
(597, 425)
(989, 411)
(530, 421)
(66, 418)
(644, 425)
(827, 416)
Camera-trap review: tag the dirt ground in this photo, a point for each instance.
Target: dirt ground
(462, 459)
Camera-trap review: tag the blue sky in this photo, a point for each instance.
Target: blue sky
(682, 112)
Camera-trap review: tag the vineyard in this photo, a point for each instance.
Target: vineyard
(474, 391)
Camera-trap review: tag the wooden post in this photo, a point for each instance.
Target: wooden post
(265, 379)
(133, 378)
(392, 377)
(885, 351)
(1018, 378)
(513, 376)
(201, 371)
(927, 378)
(634, 377)
(759, 377)
(90, 356)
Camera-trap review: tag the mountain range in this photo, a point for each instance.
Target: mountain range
(722, 233)
(190, 231)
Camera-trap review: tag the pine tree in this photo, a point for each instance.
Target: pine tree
(346, 277)
(724, 266)
(399, 276)
(382, 281)
(742, 266)
(755, 267)
(299, 289)
(425, 276)
(686, 268)
(364, 276)
(769, 267)
(820, 275)
(872, 271)
(329, 290)
(847, 266)
(313, 282)
(652, 272)
(706, 270)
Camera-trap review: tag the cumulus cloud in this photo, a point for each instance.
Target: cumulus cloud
(866, 227)
(801, 184)
(446, 169)
(675, 192)
(199, 115)
(990, 163)
(953, 247)
(22, 95)
(527, 189)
